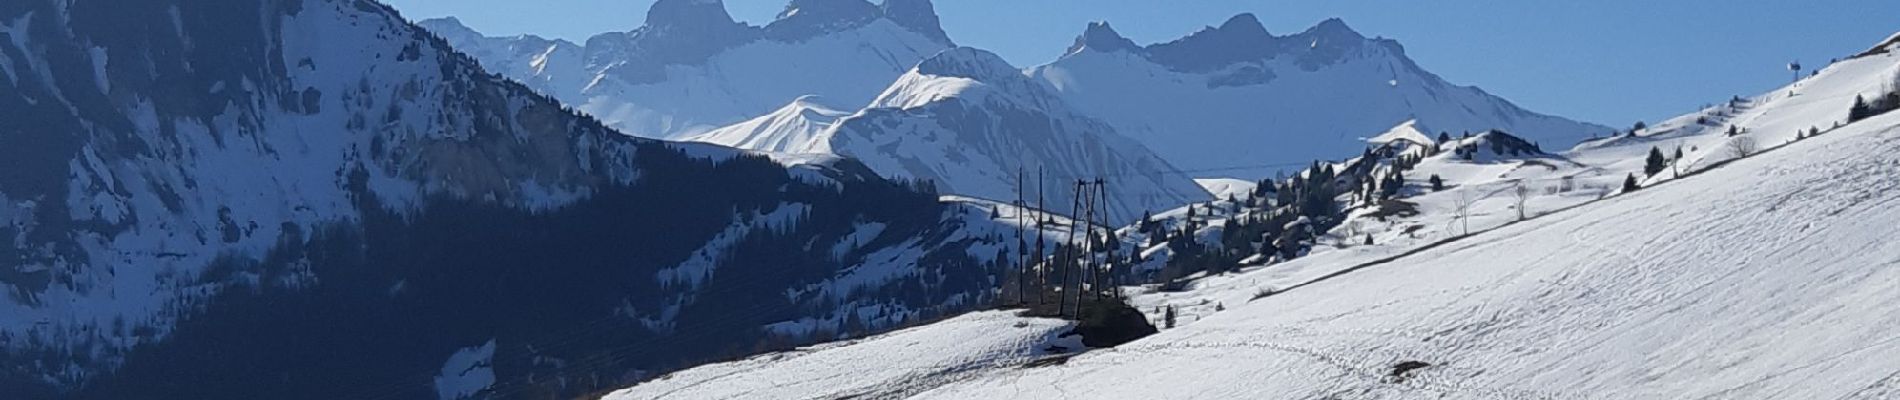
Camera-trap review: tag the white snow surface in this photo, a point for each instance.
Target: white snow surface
(1223, 188)
(894, 364)
(797, 128)
(1699, 289)
(1409, 131)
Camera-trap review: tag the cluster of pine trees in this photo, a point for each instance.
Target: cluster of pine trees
(1281, 219)
(1863, 109)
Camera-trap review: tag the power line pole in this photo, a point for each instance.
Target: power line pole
(1067, 259)
(1108, 283)
(1022, 245)
(1040, 265)
(1085, 265)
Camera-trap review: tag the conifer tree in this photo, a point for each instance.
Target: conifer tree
(1655, 164)
(1859, 111)
(1629, 183)
(1438, 184)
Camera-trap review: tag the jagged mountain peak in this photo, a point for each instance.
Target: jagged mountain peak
(1333, 28)
(917, 15)
(968, 62)
(687, 13)
(1101, 37)
(1241, 38)
(1244, 26)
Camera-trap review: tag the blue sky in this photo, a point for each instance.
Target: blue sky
(1607, 61)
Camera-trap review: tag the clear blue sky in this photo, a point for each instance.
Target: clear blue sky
(1606, 61)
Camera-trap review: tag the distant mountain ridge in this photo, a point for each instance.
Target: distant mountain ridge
(692, 68)
(1229, 98)
(1237, 95)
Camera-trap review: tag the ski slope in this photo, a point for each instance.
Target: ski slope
(1701, 288)
(1489, 183)
(1759, 277)
(939, 353)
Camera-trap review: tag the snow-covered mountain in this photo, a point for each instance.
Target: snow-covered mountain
(692, 68)
(316, 199)
(801, 127)
(1719, 273)
(970, 122)
(1236, 95)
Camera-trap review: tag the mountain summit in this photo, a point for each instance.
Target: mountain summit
(1101, 37)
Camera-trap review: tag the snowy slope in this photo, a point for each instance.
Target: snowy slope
(691, 68)
(1223, 188)
(1759, 278)
(797, 128)
(1237, 95)
(1489, 181)
(1704, 288)
(894, 364)
(969, 121)
(1408, 132)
